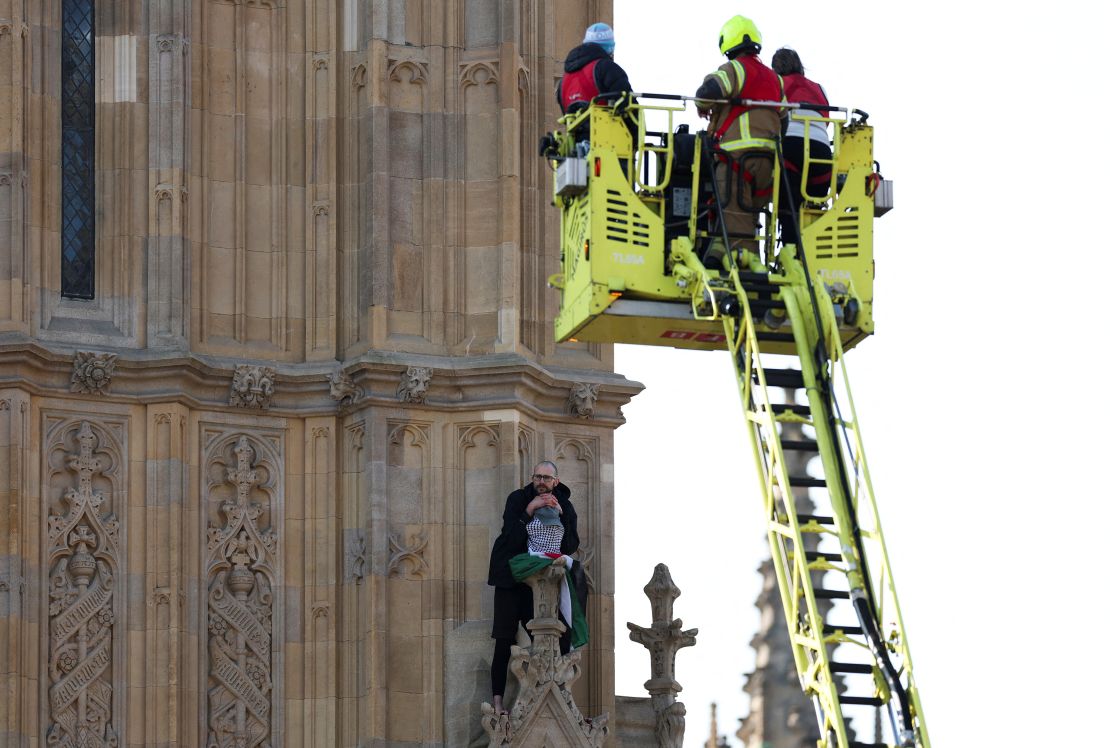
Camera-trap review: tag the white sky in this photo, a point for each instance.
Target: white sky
(979, 397)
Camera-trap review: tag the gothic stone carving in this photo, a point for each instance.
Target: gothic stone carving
(582, 399)
(343, 388)
(414, 384)
(241, 563)
(92, 372)
(252, 386)
(663, 640)
(408, 560)
(545, 707)
(355, 556)
(83, 559)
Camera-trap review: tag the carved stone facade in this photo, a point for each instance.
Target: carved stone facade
(251, 486)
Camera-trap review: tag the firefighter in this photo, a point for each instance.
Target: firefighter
(590, 70)
(744, 136)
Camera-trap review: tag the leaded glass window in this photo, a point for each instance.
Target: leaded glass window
(78, 150)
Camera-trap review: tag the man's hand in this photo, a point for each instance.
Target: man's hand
(542, 500)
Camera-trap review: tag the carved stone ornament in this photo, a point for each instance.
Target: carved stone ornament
(240, 566)
(343, 388)
(355, 557)
(92, 372)
(252, 386)
(414, 384)
(582, 399)
(407, 560)
(83, 562)
(663, 640)
(544, 713)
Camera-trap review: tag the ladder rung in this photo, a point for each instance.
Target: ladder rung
(799, 445)
(846, 630)
(759, 306)
(814, 555)
(862, 700)
(785, 378)
(805, 481)
(850, 667)
(832, 594)
(780, 408)
(805, 519)
(775, 337)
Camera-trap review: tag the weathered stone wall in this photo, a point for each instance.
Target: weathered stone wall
(250, 488)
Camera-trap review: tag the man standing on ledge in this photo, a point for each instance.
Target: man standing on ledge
(512, 600)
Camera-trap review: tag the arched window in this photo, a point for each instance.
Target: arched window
(78, 150)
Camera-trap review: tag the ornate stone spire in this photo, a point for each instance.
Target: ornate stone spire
(663, 640)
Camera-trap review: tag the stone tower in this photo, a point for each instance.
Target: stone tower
(275, 344)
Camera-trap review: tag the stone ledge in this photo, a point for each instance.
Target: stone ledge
(488, 382)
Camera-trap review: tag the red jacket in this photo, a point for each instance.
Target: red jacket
(578, 87)
(801, 90)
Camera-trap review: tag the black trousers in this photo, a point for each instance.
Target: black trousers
(793, 156)
(512, 607)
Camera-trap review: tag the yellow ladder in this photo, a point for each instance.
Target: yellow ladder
(848, 640)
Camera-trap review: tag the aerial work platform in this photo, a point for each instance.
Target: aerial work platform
(621, 238)
(640, 209)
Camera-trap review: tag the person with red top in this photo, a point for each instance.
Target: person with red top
(589, 70)
(801, 90)
(745, 136)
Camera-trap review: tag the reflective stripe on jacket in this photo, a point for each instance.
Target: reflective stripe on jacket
(740, 127)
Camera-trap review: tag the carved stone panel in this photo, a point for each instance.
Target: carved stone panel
(413, 387)
(83, 563)
(343, 389)
(406, 556)
(252, 386)
(582, 400)
(242, 478)
(92, 372)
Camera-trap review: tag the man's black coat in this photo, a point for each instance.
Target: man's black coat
(513, 539)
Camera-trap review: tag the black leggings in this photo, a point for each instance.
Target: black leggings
(499, 670)
(793, 153)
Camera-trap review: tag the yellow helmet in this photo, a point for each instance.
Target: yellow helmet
(739, 33)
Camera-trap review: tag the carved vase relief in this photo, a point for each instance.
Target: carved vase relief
(83, 547)
(242, 558)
